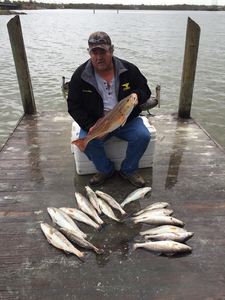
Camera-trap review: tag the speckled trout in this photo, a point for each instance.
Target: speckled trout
(165, 247)
(174, 236)
(163, 229)
(111, 201)
(58, 240)
(137, 194)
(79, 240)
(60, 218)
(115, 118)
(153, 206)
(86, 206)
(159, 220)
(80, 216)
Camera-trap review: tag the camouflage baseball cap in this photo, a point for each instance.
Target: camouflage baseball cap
(99, 39)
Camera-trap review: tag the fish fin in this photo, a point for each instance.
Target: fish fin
(49, 240)
(85, 256)
(81, 143)
(124, 122)
(154, 252)
(53, 220)
(169, 254)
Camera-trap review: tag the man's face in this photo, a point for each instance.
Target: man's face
(101, 59)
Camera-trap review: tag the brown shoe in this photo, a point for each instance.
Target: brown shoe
(100, 178)
(135, 179)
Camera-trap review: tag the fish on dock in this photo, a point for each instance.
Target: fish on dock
(60, 218)
(156, 205)
(111, 201)
(115, 118)
(79, 240)
(159, 220)
(162, 247)
(93, 199)
(107, 210)
(79, 215)
(163, 229)
(58, 240)
(135, 195)
(174, 236)
(153, 212)
(86, 206)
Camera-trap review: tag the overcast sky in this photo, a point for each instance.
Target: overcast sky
(148, 2)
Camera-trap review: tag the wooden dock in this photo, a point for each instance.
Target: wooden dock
(37, 171)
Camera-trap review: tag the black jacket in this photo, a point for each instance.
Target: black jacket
(85, 104)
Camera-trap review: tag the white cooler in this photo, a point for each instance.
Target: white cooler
(115, 150)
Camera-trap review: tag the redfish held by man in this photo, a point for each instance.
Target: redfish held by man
(115, 118)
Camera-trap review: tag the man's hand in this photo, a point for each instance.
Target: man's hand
(135, 96)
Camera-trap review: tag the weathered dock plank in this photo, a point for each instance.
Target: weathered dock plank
(37, 171)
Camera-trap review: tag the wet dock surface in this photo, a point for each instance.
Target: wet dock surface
(37, 171)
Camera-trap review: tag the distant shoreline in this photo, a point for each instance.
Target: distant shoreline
(32, 5)
(10, 12)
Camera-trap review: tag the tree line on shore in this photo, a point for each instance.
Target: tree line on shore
(40, 5)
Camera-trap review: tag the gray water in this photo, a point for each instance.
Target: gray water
(56, 43)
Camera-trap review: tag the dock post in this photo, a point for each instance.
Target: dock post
(189, 68)
(21, 64)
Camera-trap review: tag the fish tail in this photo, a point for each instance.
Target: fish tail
(99, 211)
(149, 237)
(131, 220)
(81, 143)
(131, 246)
(84, 257)
(125, 218)
(100, 228)
(123, 212)
(103, 225)
(98, 251)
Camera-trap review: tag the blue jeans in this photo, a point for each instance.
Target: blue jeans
(134, 132)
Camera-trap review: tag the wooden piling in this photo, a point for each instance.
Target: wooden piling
(21, 64)
(189, 68)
